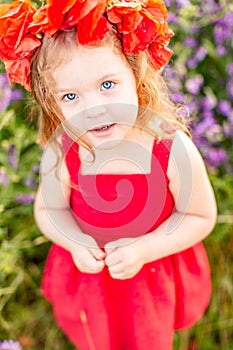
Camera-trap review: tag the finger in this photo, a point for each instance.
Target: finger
(117, 268)
(119, 275)
(97, 253)
(109, 251)
(86, 262)
(113, 259)
(99, 265)
(92, 265)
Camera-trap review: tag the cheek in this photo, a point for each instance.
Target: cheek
(124, 113)
(74, 124)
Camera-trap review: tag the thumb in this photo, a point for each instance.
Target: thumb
(98, 253)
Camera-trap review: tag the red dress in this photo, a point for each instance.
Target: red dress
(98, 312)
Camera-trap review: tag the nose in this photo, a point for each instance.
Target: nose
(95, 111)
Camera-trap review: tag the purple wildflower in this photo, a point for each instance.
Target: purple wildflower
(172, 79)
(192, 62)
(10, 345)
(7, 94)
(25, 198)
(168, 2)
(214, 134)
(12, 157)
(16, 95)
(178, 97)
(172, 18)
(224, 108)
(174, 85)
(228, 129)
(208, 102)
(30, 182)
(216, 156)
(229, 87)
(209, 7)
(223, 32)
(221, 51)
(3, 178)
(202, 127)
(182, 3)
(208, 114)
(201, 53)
(219, 34)
(230, 69)
(193, 106)
(168, 72)
(190, 42)
(193, 85)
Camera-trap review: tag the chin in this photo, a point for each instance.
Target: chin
(108, 144)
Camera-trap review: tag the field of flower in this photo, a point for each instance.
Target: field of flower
(200, 77)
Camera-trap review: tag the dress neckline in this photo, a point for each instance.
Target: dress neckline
(125, 175)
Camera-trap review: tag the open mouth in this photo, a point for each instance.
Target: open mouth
(103, 129)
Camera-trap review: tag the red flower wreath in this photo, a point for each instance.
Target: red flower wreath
(17, 44)
(142, 24)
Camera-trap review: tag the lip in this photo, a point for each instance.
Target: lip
(102, 130)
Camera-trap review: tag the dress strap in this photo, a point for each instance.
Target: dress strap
(161, 151)
(71, 155)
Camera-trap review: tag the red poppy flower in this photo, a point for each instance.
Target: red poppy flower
(141, 37)
(156, 9)
(40, 23)
(15, 40)
(57, 10)
(129, 15)
(143, 25)
(19, 72)
(97, 24)
(68, 13)
(126, 15)
(81, 14)
(158, 50)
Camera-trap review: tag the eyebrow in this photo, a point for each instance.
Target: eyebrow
(110, 75)
(64, 90)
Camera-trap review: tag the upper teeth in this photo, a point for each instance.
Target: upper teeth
(103, 127)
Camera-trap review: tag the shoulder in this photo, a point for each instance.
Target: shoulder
(54, 188)
(184, 155)
(52, 161)
(188, 179)
(186, 168)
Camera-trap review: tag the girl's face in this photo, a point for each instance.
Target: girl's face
(96, 91)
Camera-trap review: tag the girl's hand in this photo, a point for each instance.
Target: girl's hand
(88, 259)
(124, 259)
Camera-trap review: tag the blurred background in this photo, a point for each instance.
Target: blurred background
(200, 76)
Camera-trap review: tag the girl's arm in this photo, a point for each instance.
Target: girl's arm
(193, 218)
(55, 219)
(195, 211)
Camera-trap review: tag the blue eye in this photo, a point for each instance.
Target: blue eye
(70, 97)
(106, 85)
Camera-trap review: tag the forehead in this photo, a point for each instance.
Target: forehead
(91, 61)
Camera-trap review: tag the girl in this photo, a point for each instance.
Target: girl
(124, 194)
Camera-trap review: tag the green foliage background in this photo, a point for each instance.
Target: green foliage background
(24, 315)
